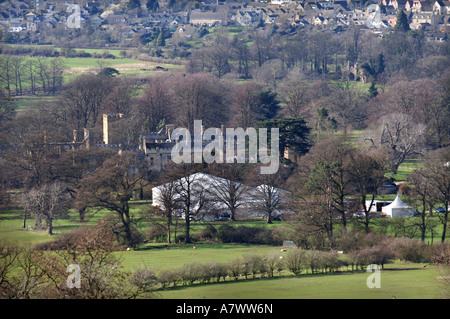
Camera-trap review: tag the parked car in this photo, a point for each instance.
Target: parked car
(439, 209)
(222, 217)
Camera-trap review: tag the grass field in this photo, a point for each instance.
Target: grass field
(402, 280)
(399, 280)
(11, 225)
(158, 258)
(76, 66)
(412, 281)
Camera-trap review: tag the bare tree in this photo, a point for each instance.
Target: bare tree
(34, 156)
(81, 102)
(425, 194)
(320, 45)
(21, 276)
(47, 202)
(169, 207)
(437, 166)
(324, 179)
(155, 103)
(112, 186)
(30, 74)
(56, 70)
(262, 45)
(7, 108)
(50, 74)
(400, 136)
(244, 104)
(6, 71)
(199, 97)
(193, 200)
(294, 94)
(347, 104)
(270, 72)
(17, 69)
(219, 55)
(353, 44)
(240, 51)
(367, 176)
(267, 196)
(228, 187)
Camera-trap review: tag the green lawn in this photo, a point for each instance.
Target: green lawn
(114, 52)
(402, 280)
(23, 102)
(412, 281)
(158, 258)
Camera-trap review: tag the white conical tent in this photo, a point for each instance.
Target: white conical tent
(398, 209)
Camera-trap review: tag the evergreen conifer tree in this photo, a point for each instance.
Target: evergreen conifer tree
(402, 22)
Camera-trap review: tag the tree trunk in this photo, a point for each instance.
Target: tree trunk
(82, 213)
(444, 231)
(232, 213)
(24, 224)
(49, 222)
(38, 223)
(269, 218)
(187, 238)
(169, 223)
(125, 217)
(366, 222)
(424, 227)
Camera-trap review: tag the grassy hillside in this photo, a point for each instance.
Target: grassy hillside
(412, 281)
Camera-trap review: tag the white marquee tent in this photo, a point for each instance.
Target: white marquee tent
(398, 209)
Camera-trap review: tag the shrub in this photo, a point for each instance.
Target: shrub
(156, 234)
(379, 255)
(359, 258)
(353, 241)
(440, 254)
(209, 233)
(205, 273)
(218, 270)
(145, 279)
(84, 238)
(274, 263)
(245, 235)
(136, 237)
(295, 261)
(171, 276)
(191, 273)
(314, 260)
(331, 261)
(256, 264)
(234, 268)
(411, 250)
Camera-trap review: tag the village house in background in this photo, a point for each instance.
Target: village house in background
(44, 16)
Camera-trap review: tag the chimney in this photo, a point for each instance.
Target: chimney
(169, 130)
(105, 128)
(86, 138)
(105, 125)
